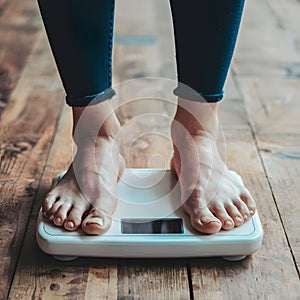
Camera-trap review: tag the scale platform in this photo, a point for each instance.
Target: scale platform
(149, 223)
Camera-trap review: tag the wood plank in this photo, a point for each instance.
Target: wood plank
(19, 28)
(264, 48)
(102, 283)
(39, 275)
(3, 5)
(153, 279)
(27, 128)
(49, 278)
(274, 110)
(274, 113)
(287, 14)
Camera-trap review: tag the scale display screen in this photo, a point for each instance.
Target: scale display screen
(150, 226)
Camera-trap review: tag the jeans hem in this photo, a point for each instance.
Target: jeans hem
(190, 94)
(91, 99)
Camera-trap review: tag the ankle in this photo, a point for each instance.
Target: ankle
(197, 118)
(95, 121)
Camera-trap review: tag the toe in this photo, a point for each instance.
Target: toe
(235, 215)
(50, 199)
(61, 214)
(55, 207)
(74, 218)
(205, 222)
(249, 201)
(242, 208)
(221, 213)
(97, 222)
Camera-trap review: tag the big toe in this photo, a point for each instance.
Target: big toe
(96, 222)
(205, 222)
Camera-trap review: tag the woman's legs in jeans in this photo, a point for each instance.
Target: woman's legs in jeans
(80, 35)
(205, 37)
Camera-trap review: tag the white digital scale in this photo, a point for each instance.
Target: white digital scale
(149, 223)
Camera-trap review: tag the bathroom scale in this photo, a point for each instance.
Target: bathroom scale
(149, 223)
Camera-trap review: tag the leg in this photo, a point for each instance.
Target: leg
(205, 36)
(80, 35)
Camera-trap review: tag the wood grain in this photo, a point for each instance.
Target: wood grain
(27, 127)
(153, 279)
(264, 47)
(273, 108)
(277, 128)
(19, 27)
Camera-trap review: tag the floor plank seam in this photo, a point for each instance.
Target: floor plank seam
(190, 281)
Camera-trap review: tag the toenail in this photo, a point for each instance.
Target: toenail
(207, 221)
(245, 217)
(251, 212)
(51, 218)
(239, 220)
(228, 223)
(97, 220)
(70, 224)
(58, 220)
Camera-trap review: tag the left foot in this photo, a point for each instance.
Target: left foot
(214, 196)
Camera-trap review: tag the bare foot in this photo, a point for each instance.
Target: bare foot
(214, 196)
(87, 194)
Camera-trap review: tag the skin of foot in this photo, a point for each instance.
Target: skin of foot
(86, 195)
(214, 196)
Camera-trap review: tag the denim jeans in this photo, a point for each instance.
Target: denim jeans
(81, 34)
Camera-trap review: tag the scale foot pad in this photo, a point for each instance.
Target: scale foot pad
(234, 258)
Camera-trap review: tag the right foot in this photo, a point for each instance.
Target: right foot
(86, 196)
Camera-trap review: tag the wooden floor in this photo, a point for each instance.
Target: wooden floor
(260, 119)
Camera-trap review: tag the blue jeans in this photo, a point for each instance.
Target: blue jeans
(81, 34)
